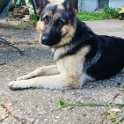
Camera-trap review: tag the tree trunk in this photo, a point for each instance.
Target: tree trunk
(80, 5)
(102, 4)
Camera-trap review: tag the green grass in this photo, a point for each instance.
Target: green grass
(107, 13)
(111, 111)
(62, 104)
(20, 26)
(84, 16)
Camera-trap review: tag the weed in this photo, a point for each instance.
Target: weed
(113, 115)
(34, 18)
(20, 26)
(112, 110)
(62, 104)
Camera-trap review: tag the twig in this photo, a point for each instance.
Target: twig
(114, 98)
(10, 113)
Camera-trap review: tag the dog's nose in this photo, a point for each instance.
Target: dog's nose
(44, 39)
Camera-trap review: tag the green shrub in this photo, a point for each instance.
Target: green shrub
(33, 17)
(107, 13)
(110, 12)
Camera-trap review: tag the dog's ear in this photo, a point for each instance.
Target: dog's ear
(70, 7)
(42, 4)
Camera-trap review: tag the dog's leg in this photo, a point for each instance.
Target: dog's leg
(59, 81)
(46, 70)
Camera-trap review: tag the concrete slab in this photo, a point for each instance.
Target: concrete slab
(37, 106)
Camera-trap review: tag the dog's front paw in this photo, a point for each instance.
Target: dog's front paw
(22, 78)
(14, 85)
(17, 85)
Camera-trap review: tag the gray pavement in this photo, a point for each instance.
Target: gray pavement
(37, 106)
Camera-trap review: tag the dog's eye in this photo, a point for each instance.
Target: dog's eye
(60, 22)
(46, 19)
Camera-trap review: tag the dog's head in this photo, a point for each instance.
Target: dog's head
(57, 24)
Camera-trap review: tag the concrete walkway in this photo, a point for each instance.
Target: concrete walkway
(37, 106)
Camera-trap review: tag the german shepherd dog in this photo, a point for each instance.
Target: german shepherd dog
(80, 54)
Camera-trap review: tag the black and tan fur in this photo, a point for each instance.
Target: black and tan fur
(80, 54)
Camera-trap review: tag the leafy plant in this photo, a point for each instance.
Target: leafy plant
(110, 12)
(33, 17)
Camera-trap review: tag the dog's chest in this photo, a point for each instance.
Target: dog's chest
(73, 64)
